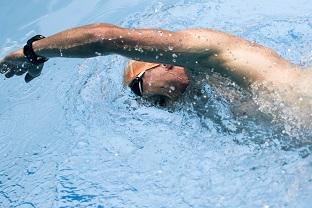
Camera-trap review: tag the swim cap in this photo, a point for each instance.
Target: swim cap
(134, 68)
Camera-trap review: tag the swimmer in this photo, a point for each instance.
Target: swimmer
(161, 60)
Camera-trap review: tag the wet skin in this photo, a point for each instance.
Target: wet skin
(194, 49)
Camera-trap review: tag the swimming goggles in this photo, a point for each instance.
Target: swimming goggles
(137, 84)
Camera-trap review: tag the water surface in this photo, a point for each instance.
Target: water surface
(76, 138)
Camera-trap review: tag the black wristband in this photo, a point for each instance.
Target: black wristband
(30, 54)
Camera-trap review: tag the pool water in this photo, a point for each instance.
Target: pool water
(75, 137)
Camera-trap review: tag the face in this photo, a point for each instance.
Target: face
(165, 80)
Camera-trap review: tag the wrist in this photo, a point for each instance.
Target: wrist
(30, 54)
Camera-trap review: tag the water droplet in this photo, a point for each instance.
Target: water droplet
(157, 57)
(137, 48)
(98, 54)
(172, 88)
(160, 54)
(174, 55)
(215, 55)
(174, 60)
(170, 48)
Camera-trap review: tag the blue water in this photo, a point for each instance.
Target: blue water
(76, 138)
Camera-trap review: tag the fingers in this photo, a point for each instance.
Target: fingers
(33, 73)
(20, 72)
(10, 74)
(10, 70)
(13, 71)
(4, 68)
(28, 78)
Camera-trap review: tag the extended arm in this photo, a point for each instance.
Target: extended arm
(189, 48)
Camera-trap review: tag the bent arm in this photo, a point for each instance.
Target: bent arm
(189, 48)
(205, 48)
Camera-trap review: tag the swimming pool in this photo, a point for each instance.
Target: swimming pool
(76, 138)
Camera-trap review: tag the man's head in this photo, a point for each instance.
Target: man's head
(152, 79)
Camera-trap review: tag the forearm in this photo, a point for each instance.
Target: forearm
(80, 42)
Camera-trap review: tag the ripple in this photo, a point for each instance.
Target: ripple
(76, 138)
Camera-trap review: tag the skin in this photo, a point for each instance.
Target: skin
(165, 80)
(194, 49)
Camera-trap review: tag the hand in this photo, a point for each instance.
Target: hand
(16, 64)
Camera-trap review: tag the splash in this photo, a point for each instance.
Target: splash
(289, 105)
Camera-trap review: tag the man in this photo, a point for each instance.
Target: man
(165, 57)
